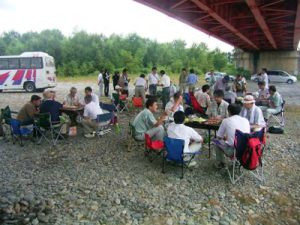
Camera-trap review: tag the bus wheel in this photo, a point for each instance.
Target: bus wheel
(29, 87)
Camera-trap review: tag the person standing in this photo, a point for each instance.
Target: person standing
(239, 86)
(124, 82)
(264, 77)
(182, 80)
(212, 79)
(165, 82)
(115, 78)
(153, 79)
(221, 84)
(140, 87)
(192, 80)
(106, 77)
(100, 83)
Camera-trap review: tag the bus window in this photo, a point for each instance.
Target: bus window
(49, 62)
(36, 63)
(13, 63)
(25, 63)
(3, 64)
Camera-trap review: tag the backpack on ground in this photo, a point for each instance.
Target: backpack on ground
(275, 130)
(251, 157)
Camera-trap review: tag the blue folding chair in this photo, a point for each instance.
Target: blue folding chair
(108, 107)
(19, 132)
(187, 99)
(104, 121)
(174, 152)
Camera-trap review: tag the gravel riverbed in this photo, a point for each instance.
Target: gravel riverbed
(97, 181)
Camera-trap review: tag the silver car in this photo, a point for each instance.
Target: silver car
(277, 76)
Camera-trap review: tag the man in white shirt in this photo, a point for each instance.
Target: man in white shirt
(264, 77)
(165, 82)
(89, 91)
(174, 105)
(203, 98)
(252, 113)
(72, 98)
(153, 79)
(226, 133)
(140, 87)
(100, 83)
(192, 140)
(89, 122)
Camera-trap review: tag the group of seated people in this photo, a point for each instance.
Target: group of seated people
(37, 105)
(248, 116)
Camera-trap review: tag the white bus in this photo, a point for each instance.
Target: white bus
(29, 71)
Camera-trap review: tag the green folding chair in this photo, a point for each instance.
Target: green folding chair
(44, 126)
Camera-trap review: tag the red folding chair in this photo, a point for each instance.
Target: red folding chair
(152, 148)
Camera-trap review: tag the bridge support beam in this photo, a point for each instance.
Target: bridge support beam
(273, 60)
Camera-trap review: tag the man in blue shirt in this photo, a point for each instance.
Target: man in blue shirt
(192, 80)
(51, 106)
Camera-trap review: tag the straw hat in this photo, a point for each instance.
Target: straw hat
(248, 99)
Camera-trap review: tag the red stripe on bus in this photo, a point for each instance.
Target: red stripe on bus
(3, 77)
(28, 74)
(18, 77)
(34, 75)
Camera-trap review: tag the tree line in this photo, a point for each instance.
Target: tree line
(83, 53)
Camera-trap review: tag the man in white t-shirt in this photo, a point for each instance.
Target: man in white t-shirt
(153, 79)
(226, 133)
(100, 83)
(264, 77)
(192, 140)
(174, 105)
(165, 82)
(89, 91)
(140, 87)
(89, 122)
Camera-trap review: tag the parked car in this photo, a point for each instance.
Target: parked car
(218, 75)
(277, 76)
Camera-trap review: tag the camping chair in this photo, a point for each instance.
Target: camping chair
(19, 132)
(174, 152)
(279, 117)
(6, 116)
(104, 121)
(187, 99)
(44, 125)
(137, 103)
(240, 144)
(152, 147)
(132, 142)
(120, 104)
(111, 108)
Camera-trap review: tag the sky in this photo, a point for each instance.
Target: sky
(99, 16)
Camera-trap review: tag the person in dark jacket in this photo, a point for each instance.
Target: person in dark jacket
(51, 106)
(106, 77)
(115, 78)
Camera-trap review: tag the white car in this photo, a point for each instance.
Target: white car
(277, 76)
(218, 75)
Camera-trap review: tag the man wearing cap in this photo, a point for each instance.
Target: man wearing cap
(221, 84)
(252, 113)
(29, 110)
